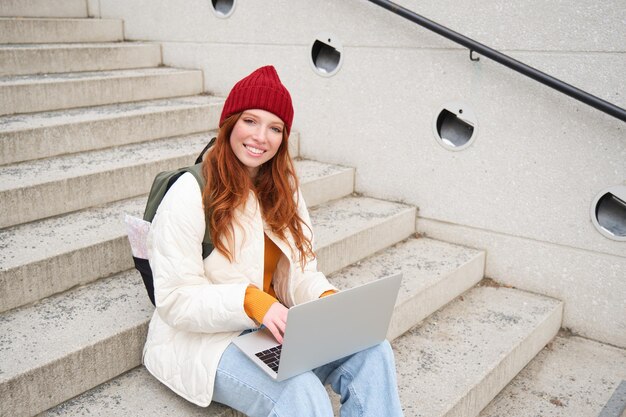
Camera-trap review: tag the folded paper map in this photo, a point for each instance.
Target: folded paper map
(137, 230)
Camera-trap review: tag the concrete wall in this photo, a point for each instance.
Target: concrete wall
(522, 190)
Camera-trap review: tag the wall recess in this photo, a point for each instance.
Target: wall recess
(223, 8)
(326, 55)
(608, 212)
(455, 126)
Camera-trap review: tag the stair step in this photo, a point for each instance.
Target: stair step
(88, 335)
(43, 258)
(428, 267)
(571, 376)
(43, 8)
(433, 274)
(22, 30)
(59, 58)
(34, 93)
(366, 225)
(135, 393)
(51, 256)
(321, 183)
(59, 30)
(74, 182)
(447, 366)
(82, 337)
(26, 137)
(458, 359)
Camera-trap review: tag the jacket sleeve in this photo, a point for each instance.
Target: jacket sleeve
(310, 283)
(185, 298)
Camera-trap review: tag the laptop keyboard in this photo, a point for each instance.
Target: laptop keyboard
(271, 357)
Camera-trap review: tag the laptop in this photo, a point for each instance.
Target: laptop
(325, 329)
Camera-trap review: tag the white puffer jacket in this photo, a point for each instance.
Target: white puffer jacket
(199, 303)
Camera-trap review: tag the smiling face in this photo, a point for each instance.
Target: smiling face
(256, 137)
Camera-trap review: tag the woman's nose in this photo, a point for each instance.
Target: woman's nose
(259, 134)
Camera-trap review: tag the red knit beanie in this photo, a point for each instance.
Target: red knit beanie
(260, 90)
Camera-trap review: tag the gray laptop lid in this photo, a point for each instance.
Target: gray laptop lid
(330, 328)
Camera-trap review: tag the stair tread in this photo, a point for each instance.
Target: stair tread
(31, 93)
(341, 217)
(47, 238)
(33, 242)
(44, 8)
(60, 30)
(458, 347)
(423, 263)
(123, 295)
(43, 332)
(33, 58)
(466, 334)
(433, 273)
(76, 45)
(135, 393)
(309, 170)
(570, 376)
(85, 315)
(42, 171)
(26, 79)
(13, 123)
(69, 19)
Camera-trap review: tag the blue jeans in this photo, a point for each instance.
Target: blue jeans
(366, 382)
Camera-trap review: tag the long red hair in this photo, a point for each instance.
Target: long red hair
(228, 186)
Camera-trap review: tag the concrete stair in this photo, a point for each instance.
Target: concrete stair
(46, 257)
(56, 30)
(101, 326)
(74, 182)
(451, 364)
(455, 362)
(37, 93)
(44, 8)
(23, 59)
(570, 376)
(25, 137)
(80, 143)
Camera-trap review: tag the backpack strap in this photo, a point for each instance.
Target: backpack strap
(196, 171)
(160, 187)
(207, 244)
(206, 148)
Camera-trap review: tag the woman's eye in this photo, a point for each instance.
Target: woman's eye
(249, 121)
(277, 129)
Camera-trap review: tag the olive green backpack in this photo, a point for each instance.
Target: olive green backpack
(161, 184)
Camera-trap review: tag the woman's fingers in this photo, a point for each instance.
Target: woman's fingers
(276, 320)
(276, 333)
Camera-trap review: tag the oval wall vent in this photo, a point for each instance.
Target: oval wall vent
(326, 55)
(608, 212)
(455, 126)
(223, 8)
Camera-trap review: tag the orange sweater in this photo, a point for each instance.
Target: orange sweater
(256, 301)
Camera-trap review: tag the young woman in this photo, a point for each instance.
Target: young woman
(263, 263)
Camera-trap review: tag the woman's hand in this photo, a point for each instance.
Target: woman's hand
(276, 320)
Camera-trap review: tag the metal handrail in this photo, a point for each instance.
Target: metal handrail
(506, 60)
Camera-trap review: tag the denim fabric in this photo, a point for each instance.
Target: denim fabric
(365, 381)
